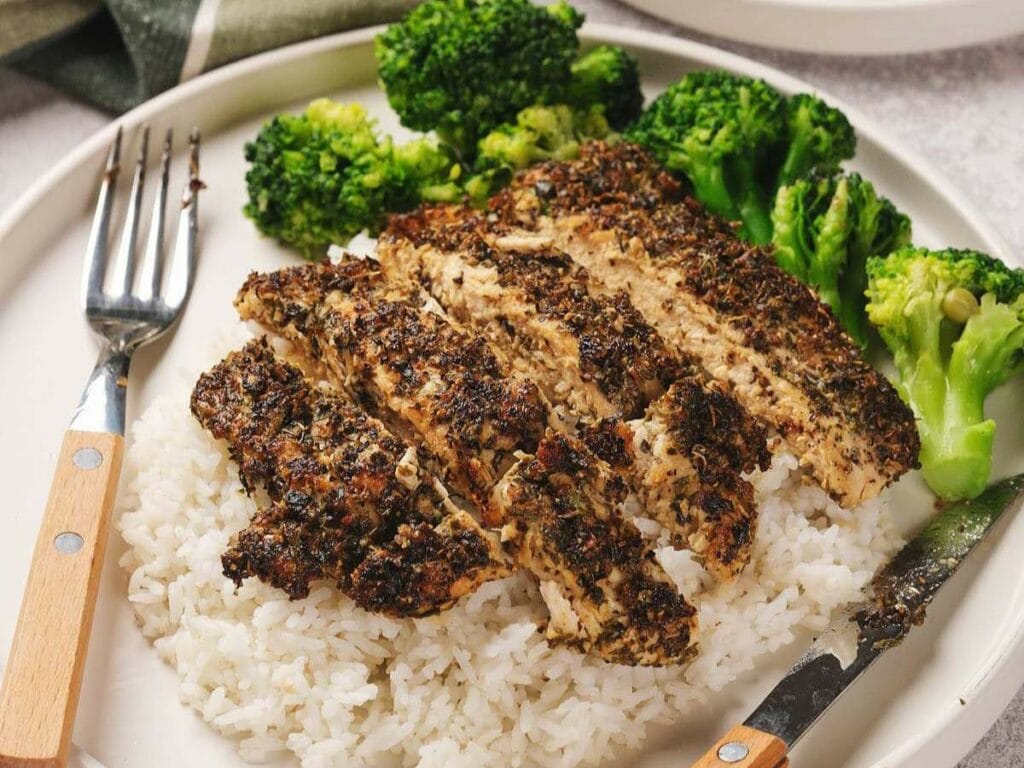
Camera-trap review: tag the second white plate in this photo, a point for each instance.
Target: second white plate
(852, 27)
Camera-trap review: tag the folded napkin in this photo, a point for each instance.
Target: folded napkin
(118, 53)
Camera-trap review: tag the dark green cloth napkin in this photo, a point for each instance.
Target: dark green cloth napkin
(118, 53)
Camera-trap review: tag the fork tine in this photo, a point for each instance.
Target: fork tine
(124, 264)
(96, 250)
(153, 255)
(183, 263)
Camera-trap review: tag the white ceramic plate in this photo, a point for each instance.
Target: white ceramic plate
(924, 704)
(854, 27)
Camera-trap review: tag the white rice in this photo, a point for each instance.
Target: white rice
(476, 686)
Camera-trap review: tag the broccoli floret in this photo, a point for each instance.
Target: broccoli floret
(464, 67)
(539, 133)
(954, 322)
(825, 229)
(422, 171)
(718, 130)
(325, 175)
(819, 138)
(609, 76)
(736, 140)
(316, 178)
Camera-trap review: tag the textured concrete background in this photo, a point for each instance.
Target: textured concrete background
(963, 111)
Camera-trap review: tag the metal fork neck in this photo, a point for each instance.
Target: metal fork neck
(102, 408)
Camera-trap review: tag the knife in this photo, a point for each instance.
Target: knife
(902, 591)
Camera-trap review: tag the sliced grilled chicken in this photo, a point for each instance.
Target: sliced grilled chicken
(686, 457)
(349, 501)
(605, 591)
(434, 381)
(596, 356)
(727, 305)
(593, 354)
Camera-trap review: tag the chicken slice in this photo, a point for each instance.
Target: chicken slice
(431, 380)
(349, 500)
(596, 356)
(605, 591)
(686, 457)
(593, 354)
(725, 304)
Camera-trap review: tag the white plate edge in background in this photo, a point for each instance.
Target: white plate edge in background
(881, 27)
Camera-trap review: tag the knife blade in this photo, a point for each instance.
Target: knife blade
(902, 591)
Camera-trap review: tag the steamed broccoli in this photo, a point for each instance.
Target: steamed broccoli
(325, 175)
(954, 322)
(421, 170)
(464, 67)
(608, 76)
(735, 139)
(825, 229)
(818, 137)
(539, 133)
(718, 130)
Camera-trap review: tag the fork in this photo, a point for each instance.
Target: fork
(44, 670)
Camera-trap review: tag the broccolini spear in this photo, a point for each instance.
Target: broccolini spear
(825, 228)
(954, 322)
(735, 139)
(325, 175)
(608, 76)
(538, 134)
(464, 67)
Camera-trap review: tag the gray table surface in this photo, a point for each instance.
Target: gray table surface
(962, 110)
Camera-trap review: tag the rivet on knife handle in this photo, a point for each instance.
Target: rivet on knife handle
(744, 747)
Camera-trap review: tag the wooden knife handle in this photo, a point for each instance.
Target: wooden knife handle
(44, 670)
(744, 747)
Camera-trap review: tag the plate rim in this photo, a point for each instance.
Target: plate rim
(991, 679)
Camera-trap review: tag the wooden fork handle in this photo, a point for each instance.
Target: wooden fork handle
(762, 750)
(44, 670)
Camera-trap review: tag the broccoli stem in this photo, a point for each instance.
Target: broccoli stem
(850, 309)
(750, 204)
(852, 298)
(830, 248)
(796, 163)
(956, 452)
(956, 457)
(788, 256)
(790, 238)
(757, 222)
(709, 186)
(956, 439)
